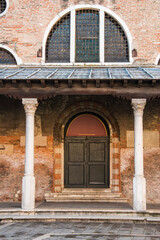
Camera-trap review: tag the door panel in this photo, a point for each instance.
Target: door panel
(76, 152)
(96, 151)
(86, 162)
(76, 175)
(96, 175)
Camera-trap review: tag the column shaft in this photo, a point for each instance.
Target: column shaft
(139, 182)
(138, 143)
(29, 148)
(28, 183)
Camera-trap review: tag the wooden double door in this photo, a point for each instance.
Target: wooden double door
(86, 162)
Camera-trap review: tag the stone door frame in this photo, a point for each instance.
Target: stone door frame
(114, 145)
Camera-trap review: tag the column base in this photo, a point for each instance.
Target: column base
(139, 193)
(28, 193)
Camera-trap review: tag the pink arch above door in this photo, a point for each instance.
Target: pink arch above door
(86, 125)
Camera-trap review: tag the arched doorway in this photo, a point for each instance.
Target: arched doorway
(86, 152)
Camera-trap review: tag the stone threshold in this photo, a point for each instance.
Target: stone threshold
(78, 212)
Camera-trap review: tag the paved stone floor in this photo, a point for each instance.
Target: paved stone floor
(76, 205)
(81, 231)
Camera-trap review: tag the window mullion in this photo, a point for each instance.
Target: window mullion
(72, 36)
(101, 36)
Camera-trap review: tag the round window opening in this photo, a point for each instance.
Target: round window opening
(3, 6)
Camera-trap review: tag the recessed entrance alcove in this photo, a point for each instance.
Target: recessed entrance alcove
(86, 160)
(86, 153)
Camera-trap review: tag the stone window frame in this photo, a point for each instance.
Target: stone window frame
(5, 11)
(157, 62)
(102, 10)
(17, 59)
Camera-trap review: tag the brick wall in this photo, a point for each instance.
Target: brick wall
(25, 23)
(49, 156)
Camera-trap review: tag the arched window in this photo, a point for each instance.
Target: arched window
(3, 6)
(6, 57)
(58, 42)
(116, 44)
(87, 36)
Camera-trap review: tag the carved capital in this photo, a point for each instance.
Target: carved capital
(138, 105)
(30, 105)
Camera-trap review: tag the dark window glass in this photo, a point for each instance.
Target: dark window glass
(116, 44)
(6, 57)
(3, 6)
(87, 36)
(58, 42)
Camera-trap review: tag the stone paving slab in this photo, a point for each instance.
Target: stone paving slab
(82, 231)
(85, 205)
(76, 205)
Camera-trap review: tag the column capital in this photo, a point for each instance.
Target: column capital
(30, 104)
(138, 104)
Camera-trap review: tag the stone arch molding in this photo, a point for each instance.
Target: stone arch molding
(157, 59)
(88, 6)
(79, 107)
(18, 60)
(114, 171)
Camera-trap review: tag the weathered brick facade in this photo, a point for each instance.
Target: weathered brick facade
(22, 29)
(48, 159)
(25, 23)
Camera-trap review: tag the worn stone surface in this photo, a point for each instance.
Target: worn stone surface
(151, 173)
(150, 139)
(40, 141)
(6, 148)
(81, 230)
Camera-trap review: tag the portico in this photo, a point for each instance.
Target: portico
(139, 184)
(34, 88)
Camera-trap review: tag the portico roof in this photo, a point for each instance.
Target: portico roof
(47, 81)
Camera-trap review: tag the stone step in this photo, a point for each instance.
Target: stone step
(86, 200)
(101, 190)
(79, 215)
(79, 194)
(84, 197)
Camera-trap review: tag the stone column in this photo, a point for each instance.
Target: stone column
(139, 182)
(28, 183)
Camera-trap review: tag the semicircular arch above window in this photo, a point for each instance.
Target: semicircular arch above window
(6, 57)
(87, 36)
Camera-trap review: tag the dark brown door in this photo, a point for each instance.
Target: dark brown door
(86, 162)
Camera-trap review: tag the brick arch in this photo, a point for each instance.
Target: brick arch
(85, 106)
(69, 112)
